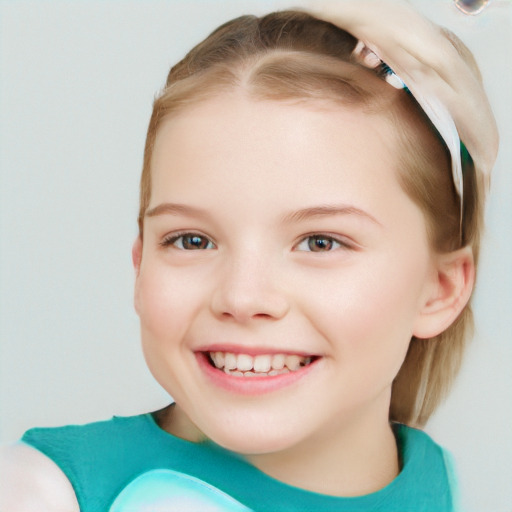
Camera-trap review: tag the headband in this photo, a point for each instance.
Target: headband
(433, 108)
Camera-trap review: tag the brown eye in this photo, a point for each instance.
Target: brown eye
(319, 243)
(189, 242)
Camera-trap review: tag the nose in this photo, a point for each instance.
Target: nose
(247, 289)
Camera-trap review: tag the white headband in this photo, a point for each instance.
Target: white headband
(433, 108)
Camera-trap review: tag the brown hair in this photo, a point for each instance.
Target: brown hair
(291, 55)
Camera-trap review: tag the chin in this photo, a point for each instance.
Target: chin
(260, 446)
(251, 438)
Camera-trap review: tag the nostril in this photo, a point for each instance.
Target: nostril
(262, 315)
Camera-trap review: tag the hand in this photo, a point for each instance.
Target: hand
(428, 58)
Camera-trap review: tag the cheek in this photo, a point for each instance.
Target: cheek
(166, 302)
(367, 314)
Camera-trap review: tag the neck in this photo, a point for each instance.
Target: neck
(173, 420)
(351, 459)
(354, 460)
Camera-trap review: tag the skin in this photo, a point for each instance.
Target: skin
(248, 166)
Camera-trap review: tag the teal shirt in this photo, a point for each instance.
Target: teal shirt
(131, 464)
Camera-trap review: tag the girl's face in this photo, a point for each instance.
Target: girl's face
(277, 233)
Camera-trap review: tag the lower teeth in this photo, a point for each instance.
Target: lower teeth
(236, 373)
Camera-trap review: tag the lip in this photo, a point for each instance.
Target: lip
(252, 351)
(251, 385)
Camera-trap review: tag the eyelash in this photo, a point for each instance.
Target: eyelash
(172, 240)
(341, 244)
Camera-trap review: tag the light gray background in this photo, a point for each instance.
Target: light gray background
(77, 80)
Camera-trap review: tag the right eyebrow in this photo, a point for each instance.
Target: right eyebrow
(329, 210)
(176, 209)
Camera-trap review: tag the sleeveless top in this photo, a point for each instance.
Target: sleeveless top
(131, 464)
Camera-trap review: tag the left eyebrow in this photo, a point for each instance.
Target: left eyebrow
(328, 210)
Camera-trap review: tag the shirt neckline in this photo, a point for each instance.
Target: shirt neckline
(287, 491)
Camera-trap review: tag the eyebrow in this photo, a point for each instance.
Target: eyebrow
(295, 216)
(328, 210)
(175, 209)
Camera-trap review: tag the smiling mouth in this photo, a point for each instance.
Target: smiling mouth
(262, 365)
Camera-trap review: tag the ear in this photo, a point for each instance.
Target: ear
(137, 255)
(451, 290)
(136, 259)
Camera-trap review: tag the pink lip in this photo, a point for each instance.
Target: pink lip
(251, 385)
(252, 351)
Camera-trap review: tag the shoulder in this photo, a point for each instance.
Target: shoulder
(84, 442)
(93, 458)
(414, 439)
(30, 481)
(417, 446)
(426, 461)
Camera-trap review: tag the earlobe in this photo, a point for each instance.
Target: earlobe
(451, 291)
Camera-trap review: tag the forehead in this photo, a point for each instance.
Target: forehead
(250, 164)
(219, 141)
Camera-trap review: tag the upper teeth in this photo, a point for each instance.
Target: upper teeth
(263, 363)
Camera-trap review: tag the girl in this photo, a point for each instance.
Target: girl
(308, 238)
